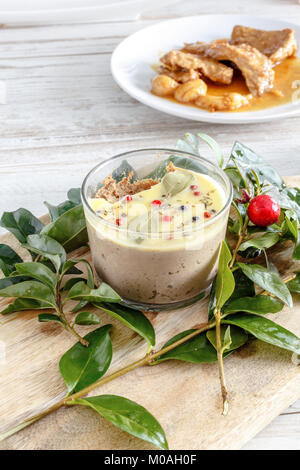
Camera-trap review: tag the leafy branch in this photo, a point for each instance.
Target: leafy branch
(237, 303)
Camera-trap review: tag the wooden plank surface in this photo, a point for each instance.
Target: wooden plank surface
(263, 381)
(64, 113)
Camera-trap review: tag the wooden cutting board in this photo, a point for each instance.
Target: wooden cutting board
(262, 381)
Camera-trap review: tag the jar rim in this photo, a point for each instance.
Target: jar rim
(214, 168)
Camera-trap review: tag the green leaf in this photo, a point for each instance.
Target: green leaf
(179, 162)
(134, 319)
(79, 306)
(8, 259)
(269, 281)
(123, 171)
(21, 223)
(46, 247)
(75, 196)
(57, 211)
(48, 317)
(294, 284)
(249, 160)
(70, 263)
(128, 416)
(104, 293)
(296, 253)
(87, 318)
(69, 229)
(214, 146)
(212, 300)
(70, 283)
(81, 366)
(291, 222)
(37, 271)
(265, 330)
(175, 182)
(265, 241)
(261, 304)
(73, 201)
(12, 280)
(237, 337)
(225, 280)
(25, 304)
(30, 290)
(195, 350)
(226, 340)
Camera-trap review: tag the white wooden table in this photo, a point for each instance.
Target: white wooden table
(64, 114)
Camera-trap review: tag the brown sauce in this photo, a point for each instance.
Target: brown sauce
(286, 74)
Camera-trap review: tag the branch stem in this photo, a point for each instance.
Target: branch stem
(147, 359)
(218, 317)
(239, 242)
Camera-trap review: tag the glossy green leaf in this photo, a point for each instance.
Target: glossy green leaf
(134, 319)
(47, 247)
(104, 293)
(30, 290)
(81, 304)
(25, 304)
(195, 350)
(214, 146)
(269, 281)
(74, 195)
(248, 160)
(294, 284)
(238, 337)
(57, 211)
(296, 252)
(48, 317)
(8, 259)
(37, 271)
(70, 283)
(69, 229)
(123, 171)
(12, 280)
(175, 182)
(82, 365)
(225, 280)
(128, 416)
(265, 241)
(226, 343)
(21, 223)
(265, 330)
(71, 263)
(291, 224)
(261, 304)
(87, 318)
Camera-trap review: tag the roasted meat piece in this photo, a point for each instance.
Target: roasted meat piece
(278, 45)
(180, 75)
(208, 67)
(255, 66)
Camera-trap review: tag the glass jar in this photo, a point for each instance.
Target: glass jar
(160, 273)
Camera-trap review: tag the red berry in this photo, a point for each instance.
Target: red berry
(207, 215)
(119, 222)
(156, 202)
(263, 210)
(128, 198)
(197, 193)
(167, 218)
(193, 187)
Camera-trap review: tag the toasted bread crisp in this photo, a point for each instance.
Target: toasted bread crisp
(113, 191)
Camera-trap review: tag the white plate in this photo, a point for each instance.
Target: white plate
(132, 59)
